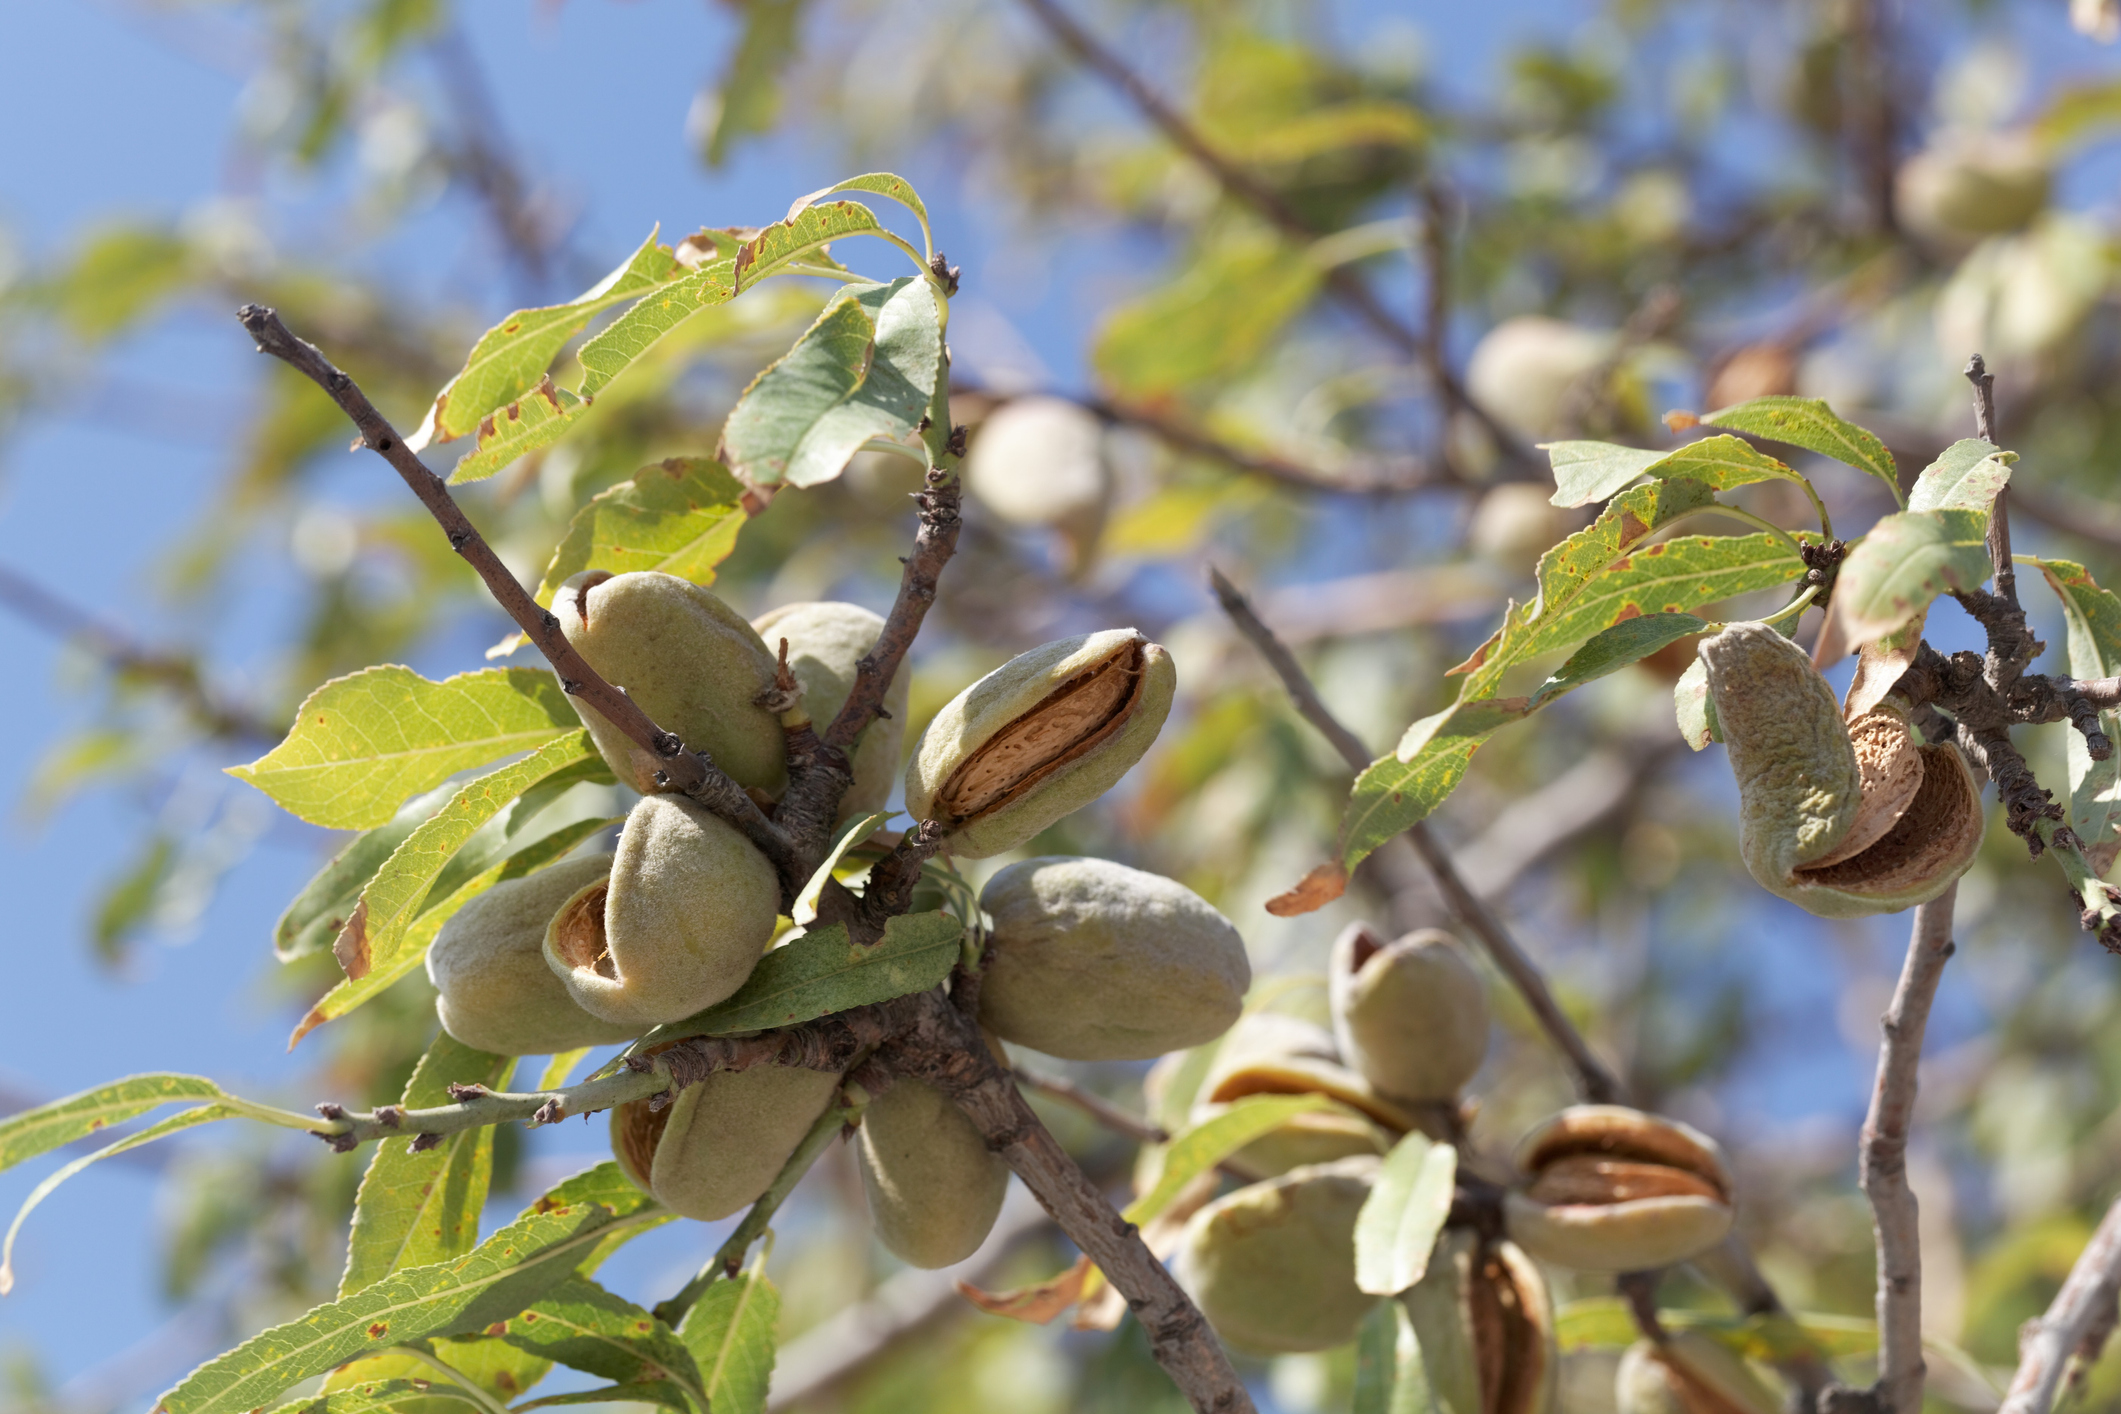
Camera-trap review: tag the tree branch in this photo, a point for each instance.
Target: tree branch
(1883, 1174)
(2077, 1322)
(689, 771)
(944, 1048)
(1594, 1080)
(127, 657)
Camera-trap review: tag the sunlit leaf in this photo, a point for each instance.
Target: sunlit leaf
(1966, 476)
(1693, 707)
(1401, 1218)
(884, 184)
(37, 1131)
(730, 1332)
(618, 345)
(1389, 1377)
(363, 743)
(501, 1276)
(381, 942)
(1196, 1150)
(680, 516)
(321, 909)
(2094, 619)
(1906, 561)
(809, 229)
(1363, 123)
(416, 1208)
(584, 1327)
(1588, 472)
(867, 369)
(161, 1128)
(530, 423)
(1809, 423)
(510, 358)
(383, 1395)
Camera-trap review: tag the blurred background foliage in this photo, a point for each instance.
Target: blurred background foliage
(1317, 360)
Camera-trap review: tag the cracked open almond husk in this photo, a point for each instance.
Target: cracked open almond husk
(1690, 1373)
(717, 1147)
(1843, 819)
(1039, 738)
(1485, 1324)
(683, 919)
(1611, 1189)
(1267, 1053)
(1272, 1265)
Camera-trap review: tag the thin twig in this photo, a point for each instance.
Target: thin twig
(1096, 1106)
(1596, 1082)
(685, 770)
(1999, 517)
(2077, 1322)
(128, 657)
(1883, 1172)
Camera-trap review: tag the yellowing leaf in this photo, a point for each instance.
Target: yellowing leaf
(680, 516)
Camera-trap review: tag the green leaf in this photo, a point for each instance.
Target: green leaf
(1227, 304)
(884, 184)
(503, 1275)
(321, 909)
(183, 1119)
(810, 227)
(1389, 1378)
(1399, 1221)
(581, 1325)
(530, 423)
(1585, 472)
(1906, 561)
(661, 1392)
(381, 1395)
(1721, 463)
(822, 972)
(1394, 794)
(1194, 1152)
(416, 1208)
(730, 1332)
(380, 943)
(510, 358)
(1966, 476)
(748, 99)
(617, 346)
(1671, 576)
(39, 1131)
(1362, 123)
(2093, 616)
(1809, 423)
(1695, 711)
(680, 516)
(1627, 642)
(867, 369)
(363, 743)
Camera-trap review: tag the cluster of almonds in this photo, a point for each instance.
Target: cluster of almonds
(1598, 1188)
(1088, 960)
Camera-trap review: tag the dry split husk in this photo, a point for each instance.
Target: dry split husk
(1611, 1189)
(1486, 1327)
(1842, 819)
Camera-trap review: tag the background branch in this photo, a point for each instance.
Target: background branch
(2077, 1322)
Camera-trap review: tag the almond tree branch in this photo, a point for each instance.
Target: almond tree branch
(944, 1048)
(1346, 285)
(2077, 1322)
(1594, 1081)
(688, 771)
(1883, 1172)
(126, 656)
